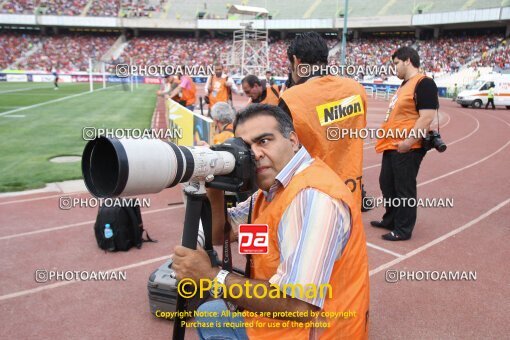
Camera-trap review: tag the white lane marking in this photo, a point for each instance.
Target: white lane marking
(464, 167)
(23, 89)
(40, 198)
(440, 239)
(371, 245)
(39, 231)
(52, 101)
(65, 283)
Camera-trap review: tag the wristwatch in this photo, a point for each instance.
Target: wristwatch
(218, 283)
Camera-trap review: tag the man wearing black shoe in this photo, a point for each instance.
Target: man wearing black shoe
(411, 110)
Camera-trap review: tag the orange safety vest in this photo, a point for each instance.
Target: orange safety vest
(228, 132)
(321, 106)
(271, 97)
(219, 91)
(401, 115)
(349, 279)
(189, 95)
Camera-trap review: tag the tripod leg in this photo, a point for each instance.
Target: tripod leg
(189, 240)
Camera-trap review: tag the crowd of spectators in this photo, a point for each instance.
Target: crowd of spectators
(135, 8)
(128, 8)
(49, 7)
(18, 7)
(498, 59)
(163, 49)
(63, 7)
(449, 53)
(68, 53)
(71, 52)
(101, 8)
(14, 45)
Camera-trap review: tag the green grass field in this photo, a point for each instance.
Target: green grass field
(32, 136)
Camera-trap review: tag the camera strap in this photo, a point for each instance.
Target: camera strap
(226, 262)
(247, 269)
(415, 98)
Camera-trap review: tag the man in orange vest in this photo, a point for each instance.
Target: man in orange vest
(253, 88)
(412, 109)
(322, 104)
(219, 87)
(314, 237)
(170, 83)
(186, 92)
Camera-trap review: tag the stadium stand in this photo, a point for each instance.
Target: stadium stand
(66, 52)
(132, 9)
(63, 7)
(441, 56)
(160, 49)
(104, 8)
(217, 9)
(15, 44)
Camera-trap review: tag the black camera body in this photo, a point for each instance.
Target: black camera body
(242, 179)
(433, 140)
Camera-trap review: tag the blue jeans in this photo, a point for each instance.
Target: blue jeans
(217, 333)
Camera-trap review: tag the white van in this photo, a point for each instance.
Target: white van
(476, 94)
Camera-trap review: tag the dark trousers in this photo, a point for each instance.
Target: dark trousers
(398, 180)
(491, 101)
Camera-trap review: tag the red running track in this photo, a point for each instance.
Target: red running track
(471, 236)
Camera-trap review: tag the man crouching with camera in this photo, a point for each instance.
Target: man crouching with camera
(315, 238)
(412, 109)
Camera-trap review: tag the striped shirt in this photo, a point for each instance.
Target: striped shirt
(312, 233)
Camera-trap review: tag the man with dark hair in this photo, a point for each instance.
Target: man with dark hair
(253, 88)
(315, 237)
(412, 109)
(319, 103)
(409, 54)
(269, 78)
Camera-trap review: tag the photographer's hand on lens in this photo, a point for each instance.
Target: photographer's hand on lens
(194, 264)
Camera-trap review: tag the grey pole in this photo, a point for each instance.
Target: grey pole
(344, 32)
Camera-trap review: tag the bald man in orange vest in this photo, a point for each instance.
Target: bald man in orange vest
(219, 87)
(258, 93)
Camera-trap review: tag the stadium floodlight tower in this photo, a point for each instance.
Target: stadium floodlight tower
(250, 50)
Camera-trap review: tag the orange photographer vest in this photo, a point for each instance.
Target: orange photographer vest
(401, 115)
(226, 133)
(189, 95)
(271, 97)
(349, 278)
(321, 106)
(219, 91)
